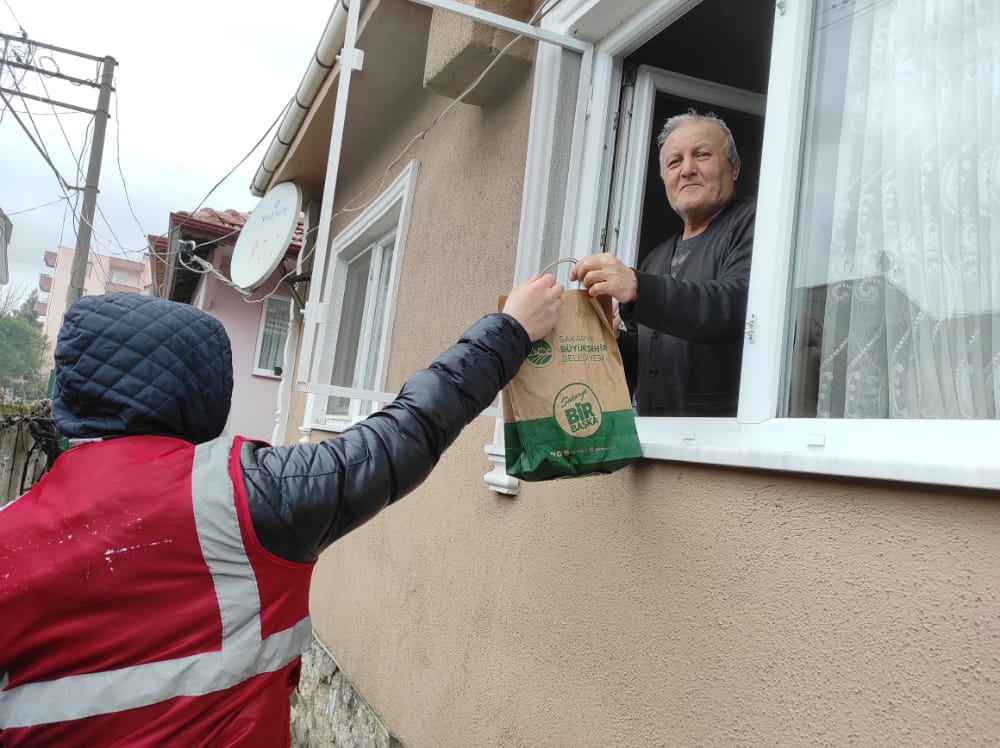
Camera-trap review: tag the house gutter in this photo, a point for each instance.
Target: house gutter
(324, 58)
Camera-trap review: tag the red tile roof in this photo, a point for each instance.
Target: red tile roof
(228, 220)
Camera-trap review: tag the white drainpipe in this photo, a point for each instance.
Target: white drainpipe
(323, 60)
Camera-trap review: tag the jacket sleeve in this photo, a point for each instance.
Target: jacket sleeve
(304, 497)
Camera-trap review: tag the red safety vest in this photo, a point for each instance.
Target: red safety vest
(138, 608)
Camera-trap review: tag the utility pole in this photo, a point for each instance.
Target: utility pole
(81, 254)
(78, 271)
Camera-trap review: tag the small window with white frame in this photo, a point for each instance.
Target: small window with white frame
(366, 293)
(347, 343)
(272, 332)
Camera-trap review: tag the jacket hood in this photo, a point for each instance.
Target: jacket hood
(128, 364)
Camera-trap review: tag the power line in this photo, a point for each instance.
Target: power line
(37, 207)
(79, 160)
(16, 20)
(249, 153)
(41, 149)
(29, 56)
(118, 160)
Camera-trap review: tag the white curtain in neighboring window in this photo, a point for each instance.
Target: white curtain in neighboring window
(273, 334)
(911, 327)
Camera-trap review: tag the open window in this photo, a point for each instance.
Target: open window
(697, 372)
(666, 76)
(871, 343)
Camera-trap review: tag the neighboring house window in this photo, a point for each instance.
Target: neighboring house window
(872, 333)
(271, 336)
(121, 277)
(348, 327)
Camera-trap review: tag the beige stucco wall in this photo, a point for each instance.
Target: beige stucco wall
(666, 605)
(671, 605)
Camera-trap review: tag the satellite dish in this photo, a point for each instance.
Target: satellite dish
(266, 235)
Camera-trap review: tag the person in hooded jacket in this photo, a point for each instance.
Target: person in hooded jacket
(154, 584)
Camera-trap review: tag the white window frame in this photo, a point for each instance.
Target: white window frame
(370, 340)
(387, 214)
(258, 370)
(942, 452)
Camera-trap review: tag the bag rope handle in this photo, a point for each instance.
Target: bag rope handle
(604, 320)
(556, 262)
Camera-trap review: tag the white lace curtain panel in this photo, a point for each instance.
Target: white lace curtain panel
(272, 343)
(911, 327)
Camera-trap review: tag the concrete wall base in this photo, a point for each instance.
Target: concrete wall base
(327, 711)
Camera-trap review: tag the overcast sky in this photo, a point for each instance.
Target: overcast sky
(197, 85)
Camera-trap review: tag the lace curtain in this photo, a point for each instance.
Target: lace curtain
(272, 341)
(910, 328)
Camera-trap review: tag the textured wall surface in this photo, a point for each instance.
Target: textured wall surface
(672, 605)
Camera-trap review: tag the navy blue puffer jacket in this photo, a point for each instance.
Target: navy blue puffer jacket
(131, 364)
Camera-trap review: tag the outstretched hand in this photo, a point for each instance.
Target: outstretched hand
(605, 274)
(535, 304)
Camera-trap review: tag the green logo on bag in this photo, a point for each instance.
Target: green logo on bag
(577, 410)
(541, 353)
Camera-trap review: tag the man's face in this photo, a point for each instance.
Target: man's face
(698, 177)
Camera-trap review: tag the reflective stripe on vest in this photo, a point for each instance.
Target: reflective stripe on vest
(243, 653)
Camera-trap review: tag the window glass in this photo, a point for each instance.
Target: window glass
(896, 276)
(351, 316)
(121, 277)
(273, 332)
(367, 366)
(366, 295)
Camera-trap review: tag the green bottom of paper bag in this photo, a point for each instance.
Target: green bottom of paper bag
(540, 450)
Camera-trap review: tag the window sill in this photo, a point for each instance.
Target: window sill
(953, 453)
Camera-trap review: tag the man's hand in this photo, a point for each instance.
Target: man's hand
(606, 275)
(535, 304)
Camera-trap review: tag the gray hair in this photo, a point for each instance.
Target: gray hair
(691, 116)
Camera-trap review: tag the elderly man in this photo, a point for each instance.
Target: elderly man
(684, 307)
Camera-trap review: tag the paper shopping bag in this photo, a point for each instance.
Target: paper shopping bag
(567, 412)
